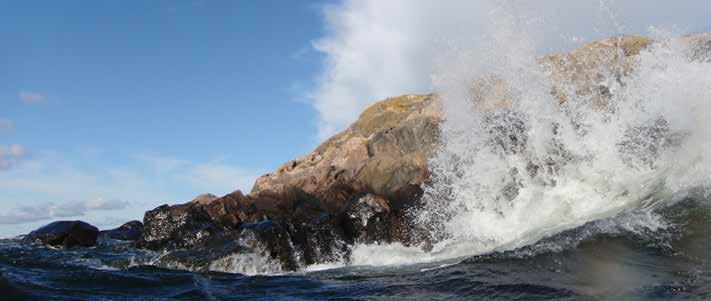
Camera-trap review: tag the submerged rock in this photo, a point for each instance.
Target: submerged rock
(66, 234)
(130, 231)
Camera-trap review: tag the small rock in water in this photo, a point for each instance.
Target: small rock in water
(67, 234)
(130, 231)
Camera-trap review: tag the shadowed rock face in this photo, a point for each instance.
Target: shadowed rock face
(358, 186)
(66, 234)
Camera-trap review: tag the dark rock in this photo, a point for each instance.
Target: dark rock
(67, 234)
(319, 241)
(187, 225)
(273, 239)
(226, 210)
(200, 256)
(130, 231)
(366, 219)
(180, 226)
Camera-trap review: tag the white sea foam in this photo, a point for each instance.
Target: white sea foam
(247, 263)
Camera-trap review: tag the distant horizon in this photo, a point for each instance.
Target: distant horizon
(111, 109)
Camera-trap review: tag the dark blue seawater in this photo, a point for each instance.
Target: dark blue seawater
(581, 264)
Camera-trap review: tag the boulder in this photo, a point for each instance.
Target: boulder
(181, 226)
(187, 225)
(66, 234)
(130, 231)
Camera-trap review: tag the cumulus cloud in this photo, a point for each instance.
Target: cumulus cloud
(375, 49)
(47, 211)
(10, 155)
(30, 97)
(6, 124)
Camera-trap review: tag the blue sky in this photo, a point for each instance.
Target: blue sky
(111, 108)
(103, 93)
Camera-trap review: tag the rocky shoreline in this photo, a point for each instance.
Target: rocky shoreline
(357, 187)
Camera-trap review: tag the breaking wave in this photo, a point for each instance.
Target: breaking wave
(532, 147)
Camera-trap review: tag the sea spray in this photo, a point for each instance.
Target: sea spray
(528, 153)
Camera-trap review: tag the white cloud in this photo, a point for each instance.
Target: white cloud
(6, 124)
(147, 181)
(375, 49)
(10, 155)
(46, 211)
(30, 97)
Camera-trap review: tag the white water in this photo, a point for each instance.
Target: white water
(472, 208)
(591, 165)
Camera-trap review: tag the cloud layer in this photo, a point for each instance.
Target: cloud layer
(46, 187)
(375, 49)
(47, 211)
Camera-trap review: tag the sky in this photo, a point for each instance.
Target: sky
(111, 108)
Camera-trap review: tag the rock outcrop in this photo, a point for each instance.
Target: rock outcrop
(384, 152)
(66, 234)
(130, 231)
(358, 185)
(354, 187)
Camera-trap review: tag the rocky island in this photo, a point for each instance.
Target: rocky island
(360, 185)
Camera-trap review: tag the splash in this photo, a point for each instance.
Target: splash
(535, 146)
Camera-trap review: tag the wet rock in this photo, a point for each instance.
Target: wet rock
(366, 219)
(180, 226)
(130, 231)
(643, 144)
(67, 234)
(274, 240)
(187, 225)
(200, 256)
(320, 241)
